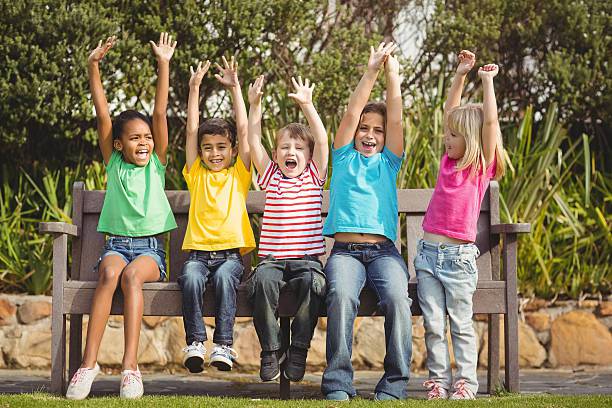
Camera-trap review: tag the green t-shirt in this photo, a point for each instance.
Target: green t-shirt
(135, 204)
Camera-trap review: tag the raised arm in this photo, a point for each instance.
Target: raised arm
(258, 153)
(229, 79)
(490, 126)
(103, 119)
(193, 113)
(361, 94)
(303, 97)
(453, 99)
(163, 53)
(394, 139)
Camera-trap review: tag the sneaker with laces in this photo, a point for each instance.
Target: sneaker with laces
(131, 384)
(194, 357)
(436, 390)
(223, 357)
(270, 365)
(462, 392)
(296, 364)
(80, 384)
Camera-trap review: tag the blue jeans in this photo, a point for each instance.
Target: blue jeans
(305, 277)
(349, 268)
(447, 278)
(224, 268)
(130, 248)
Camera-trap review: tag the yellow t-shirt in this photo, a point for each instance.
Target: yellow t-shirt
(218, 217)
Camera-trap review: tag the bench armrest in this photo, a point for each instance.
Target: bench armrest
(510, 228)
(58, 228)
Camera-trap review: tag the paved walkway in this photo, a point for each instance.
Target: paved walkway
(214, 383)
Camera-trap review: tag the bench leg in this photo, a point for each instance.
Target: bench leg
(285, 391)
(58, 353)
(511, 318)
(76, 344)
(493, 354)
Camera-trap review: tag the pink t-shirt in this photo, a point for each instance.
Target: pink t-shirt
(455, 205)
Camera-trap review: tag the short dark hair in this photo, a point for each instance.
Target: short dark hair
(376, 107)
(217, 126)
(297, 131)
(125, 117)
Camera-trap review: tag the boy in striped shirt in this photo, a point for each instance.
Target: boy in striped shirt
(291, 237)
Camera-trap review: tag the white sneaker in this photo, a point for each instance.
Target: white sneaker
(462, 392)
(436, 391)
(223, 357)
(194, 357)
(81, 381)
(131, 384)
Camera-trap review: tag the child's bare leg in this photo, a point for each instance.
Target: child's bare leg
(140, 270)
(109, 272)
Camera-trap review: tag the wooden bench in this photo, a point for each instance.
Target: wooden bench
(496, 293)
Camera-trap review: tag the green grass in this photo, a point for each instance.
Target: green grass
(549, 401)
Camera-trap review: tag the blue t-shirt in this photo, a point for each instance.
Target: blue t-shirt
(363, 193)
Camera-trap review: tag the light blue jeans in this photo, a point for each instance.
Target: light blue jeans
(349, 268)
(447, 278)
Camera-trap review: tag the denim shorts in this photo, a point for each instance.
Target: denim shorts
(130, 248)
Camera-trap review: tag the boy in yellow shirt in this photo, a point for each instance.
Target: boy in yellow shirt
(218, 175)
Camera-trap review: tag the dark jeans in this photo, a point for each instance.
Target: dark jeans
(304, 276)
(224, 268)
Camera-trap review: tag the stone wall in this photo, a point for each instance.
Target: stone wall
(563, 334)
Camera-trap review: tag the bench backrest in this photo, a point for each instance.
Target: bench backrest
(412, 205)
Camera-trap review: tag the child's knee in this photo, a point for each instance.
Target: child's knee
(108, 275)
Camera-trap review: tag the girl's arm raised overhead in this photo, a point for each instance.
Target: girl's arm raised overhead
(258, 152)
(394, 139)
(193, 113)
(453, 99)
(361, 94)
(490, 126)
(303, 97)
(103, 119)
(229, 79)
(163, 53)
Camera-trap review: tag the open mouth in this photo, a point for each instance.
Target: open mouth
(369, 145)
(290, 164)
(216, 161)
(142, 153)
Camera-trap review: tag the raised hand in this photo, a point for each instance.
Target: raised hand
(392, 65)
(256, 90)
(100, 51)
(466, 62)
(303, 91)
(379, 55)
(488, 71)
(198, 74)
(165, 49)
(229, 71)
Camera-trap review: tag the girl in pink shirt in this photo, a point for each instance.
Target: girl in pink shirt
(446, 256)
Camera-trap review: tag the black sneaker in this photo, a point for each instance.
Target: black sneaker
(270, 365)
(296, 364)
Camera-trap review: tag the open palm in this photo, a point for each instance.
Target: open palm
(165, 49)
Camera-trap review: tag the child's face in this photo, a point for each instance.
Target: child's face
(216, 152)
(136, 142)
(454, 143)
(292, 155)
(370, 136)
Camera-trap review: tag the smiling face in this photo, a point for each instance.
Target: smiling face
(370, 135)
(136, 142)
(454, 144)
(291, 154)
(216, 152)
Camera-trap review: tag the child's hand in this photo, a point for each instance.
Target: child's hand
(256, 90)
(488, 71)
(303, 91)
(229, 79)
(100, 51)
(380, 55)
(198, 74)
(392, 65)
(164, 50)
(467, 60)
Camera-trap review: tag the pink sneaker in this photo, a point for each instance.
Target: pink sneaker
(462, 392)
(436, 391)
(131, 384)
(81, 381)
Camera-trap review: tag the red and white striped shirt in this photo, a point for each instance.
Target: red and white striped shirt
(291, 226)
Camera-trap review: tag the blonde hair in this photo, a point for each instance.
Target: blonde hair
(299, 132)
(467, 121)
